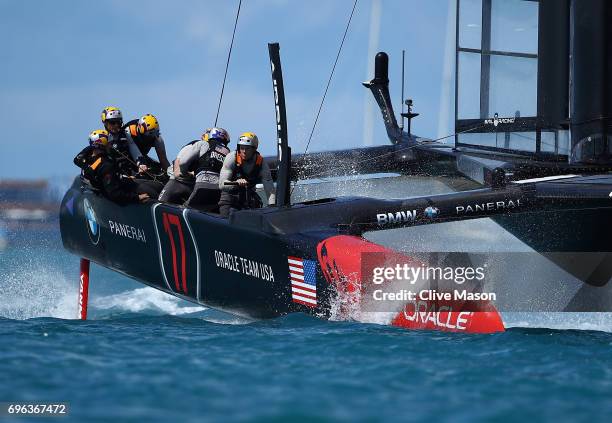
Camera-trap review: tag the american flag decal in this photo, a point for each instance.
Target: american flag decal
(303, 281)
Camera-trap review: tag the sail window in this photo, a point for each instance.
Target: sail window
(497, 77)
(470, 24)
(513, 86)
(514, 26)
(556, 142)
(469, 85)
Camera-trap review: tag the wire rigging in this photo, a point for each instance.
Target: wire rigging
(125, 156)
(229, 55)
(314, 125)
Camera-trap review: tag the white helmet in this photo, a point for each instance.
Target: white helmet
(250, 139)
(111, 113)
(98, 137)
(218, 134)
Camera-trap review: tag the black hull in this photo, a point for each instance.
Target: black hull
(231, 268)
(242, 265)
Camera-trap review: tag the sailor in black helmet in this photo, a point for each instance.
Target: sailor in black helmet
(246, 167)
(198, 164)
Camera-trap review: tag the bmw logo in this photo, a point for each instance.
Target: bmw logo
(93, 228)
(432, 212)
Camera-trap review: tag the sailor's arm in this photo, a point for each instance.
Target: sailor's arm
(86, 160)
(266, 180)
(113, 188)
(160, 149)
(81, 159)
(175, 167)
(186, 156)
(134, 150)
(226, 172)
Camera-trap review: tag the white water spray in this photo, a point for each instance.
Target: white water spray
(143, 299)
(35, 291)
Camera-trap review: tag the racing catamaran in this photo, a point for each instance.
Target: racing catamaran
(311, 256)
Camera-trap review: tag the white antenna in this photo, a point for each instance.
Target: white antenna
(401, 123)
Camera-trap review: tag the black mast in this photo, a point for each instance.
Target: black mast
(591, 88)
(283, 196)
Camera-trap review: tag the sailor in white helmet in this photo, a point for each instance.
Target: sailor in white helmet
(121, 148)
(244, 169)
(195, 177)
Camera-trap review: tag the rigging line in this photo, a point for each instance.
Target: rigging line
(518, 134)
(136, 164)
(229, 55)
(348, 24)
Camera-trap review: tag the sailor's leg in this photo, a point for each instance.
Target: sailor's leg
(175, 192)
(205, 197)
(224, 210)
(148, 186)
(228, 201)
(254, 200)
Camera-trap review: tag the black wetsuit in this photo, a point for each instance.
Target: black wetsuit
(236, 197)
(143, 142)
(101, 170)
(120, 152)
(177, 191)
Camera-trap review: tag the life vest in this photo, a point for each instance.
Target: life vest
(254, 175)
(92, 165)
(241, 198)
(120, 152)
(210, 162)
(143, 142)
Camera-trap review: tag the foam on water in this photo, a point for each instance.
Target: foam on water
(143, 300)
(562, 321)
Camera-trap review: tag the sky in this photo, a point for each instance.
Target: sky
(64, 61)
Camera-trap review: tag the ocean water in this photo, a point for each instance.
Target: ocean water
(147, 356)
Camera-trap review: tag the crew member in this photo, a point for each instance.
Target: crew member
(120, 147)
(100, 169)
(144, 133)
(198, 164)
(245, 168)
(96, 138)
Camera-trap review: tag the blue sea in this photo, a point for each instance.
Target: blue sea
(147, 356)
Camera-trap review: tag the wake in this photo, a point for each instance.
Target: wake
(142, 300)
